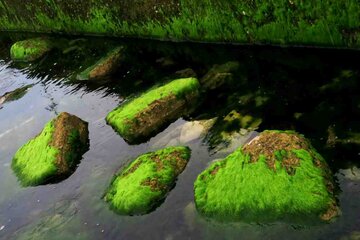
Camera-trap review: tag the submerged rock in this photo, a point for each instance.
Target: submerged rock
(54, 153)
(14, 95)
(145, 182)
(31, 49)
(140, 118)
(276, 176)
(231, 131)
(104, 67)
(218, 75)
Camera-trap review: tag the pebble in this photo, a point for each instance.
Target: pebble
(2, 227)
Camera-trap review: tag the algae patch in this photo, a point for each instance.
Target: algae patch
(31, 49)
(54, 153)
(277, 176)
(145, 182)
(146, 114)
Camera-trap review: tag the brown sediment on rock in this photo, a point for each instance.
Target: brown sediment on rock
(108, 66)
(159, 113)
(268, 143)
(155, 185)
(215, 170)
(66, 126)
(132, 168)
(332, 212)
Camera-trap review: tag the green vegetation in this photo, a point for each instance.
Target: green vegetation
(277, 176)
(54, 153)
(150, 111)
(31, 49)
(321, 23)
(144, 183)
(103, 67)
(34, 162)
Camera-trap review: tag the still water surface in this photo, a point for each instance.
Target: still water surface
(287, 83)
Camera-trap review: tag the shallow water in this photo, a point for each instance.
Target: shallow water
(303, 89)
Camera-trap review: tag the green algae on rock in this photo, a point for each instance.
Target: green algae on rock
(54, 153)
(14, 95)
(136, 120)
(219, 75)
(144, 183)
(31, 49)
(276, 176)
(103, 67)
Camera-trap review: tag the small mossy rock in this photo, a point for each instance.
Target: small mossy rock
(144, 183)
(54, 153)
(14, 95)
(105, 66)
(276, 176)
(219, 75)
(31, 49)
(138, 119)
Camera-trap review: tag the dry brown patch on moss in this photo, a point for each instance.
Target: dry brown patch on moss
(132, 169)
(154, 184)
(158, 113)
(268, 143)
(64, 125)
(331, 212)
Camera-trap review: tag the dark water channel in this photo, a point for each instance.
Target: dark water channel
(313, 91)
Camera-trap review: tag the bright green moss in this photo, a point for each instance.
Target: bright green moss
(331, 23)
(34, 162)
(54, 153)
(239, 189)
(123, 117)
(104, 66)
(30, 50)
(139, 187)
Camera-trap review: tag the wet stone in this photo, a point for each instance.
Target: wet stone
(54, 153)
(138, 119)
(141, 186)
(31, 49)
(276, 176)
(105, 66)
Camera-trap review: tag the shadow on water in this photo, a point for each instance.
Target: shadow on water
(312, 91)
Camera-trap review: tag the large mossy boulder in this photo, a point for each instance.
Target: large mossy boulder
(31, 49)
(105, 66)
(276, 176)
(138, 119)
(143, 184)
(54, 153)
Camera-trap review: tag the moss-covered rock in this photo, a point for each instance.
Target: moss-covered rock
(219, 75)
(31, 49)
(104, 66)
(14, 95)
(276, 176)
(138, 119)
(54, 153)
(144, 183)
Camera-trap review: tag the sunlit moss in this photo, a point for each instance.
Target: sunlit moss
(54, 153)
(35, 161)
(31, 49)
(285, 185)
(320, 23)
(127, 118)
(139, 187)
